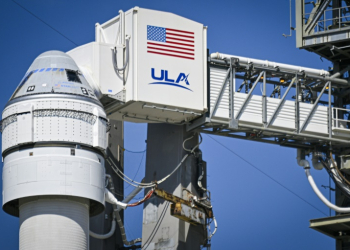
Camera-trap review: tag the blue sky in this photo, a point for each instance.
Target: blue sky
(253, 212)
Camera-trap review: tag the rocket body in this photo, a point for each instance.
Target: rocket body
(53, 142)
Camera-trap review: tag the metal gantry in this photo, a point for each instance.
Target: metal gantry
(323, 27)
(309, 89)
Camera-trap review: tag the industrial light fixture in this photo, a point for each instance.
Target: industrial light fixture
(282, 80)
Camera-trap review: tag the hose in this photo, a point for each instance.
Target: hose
(114, 58)
(202, 173)
(122, 229)
(215, 228)
(112, 200)
(104, 236)
(320, 195)
(336, 167)
(336, 179)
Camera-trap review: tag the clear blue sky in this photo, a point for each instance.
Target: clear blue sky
(253, 212)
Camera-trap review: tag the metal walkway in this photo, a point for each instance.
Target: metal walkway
(274, 103)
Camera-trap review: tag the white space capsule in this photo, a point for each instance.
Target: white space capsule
(53, 139)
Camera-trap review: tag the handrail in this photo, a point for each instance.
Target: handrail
(322, 25)
(336, 119)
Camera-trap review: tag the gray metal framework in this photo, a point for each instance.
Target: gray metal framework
(323, 27)
(251, 75)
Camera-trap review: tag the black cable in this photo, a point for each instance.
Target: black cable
(143, 155)
(135, 152)
(156, 227)
(271, 178)
(334, 180)
(43, 22)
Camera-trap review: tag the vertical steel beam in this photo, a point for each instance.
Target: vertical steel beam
(330, 115)
(232, 90)
(299, 14)
(297, 109)
(264, 101)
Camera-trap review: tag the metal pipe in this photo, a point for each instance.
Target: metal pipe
(104, 236)
(131, 195)
(122, 230)
(122, 27)
(301, 159)
(304, 163)
(321, 196)
(336, 75)
(112, 200)
(315, 162)
(282, 66)
(326, 78)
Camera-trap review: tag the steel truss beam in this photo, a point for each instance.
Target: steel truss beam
(265, 133)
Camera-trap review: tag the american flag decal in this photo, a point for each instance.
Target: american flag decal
(170, 42)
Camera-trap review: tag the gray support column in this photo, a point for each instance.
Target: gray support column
(299, 12)
(101, 223)
(164, 151)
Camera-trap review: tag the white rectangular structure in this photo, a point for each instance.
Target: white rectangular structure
(165, 76)
(285, 117)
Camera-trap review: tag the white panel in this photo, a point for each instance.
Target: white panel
(25, 123)
(27, 172)
(53, 171)
(50, 170)
(99, 130)
(9, 175)
(96, 171)
(80, 172)
(97, 57)
(169, 90)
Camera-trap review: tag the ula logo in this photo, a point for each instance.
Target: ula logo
(163, 78)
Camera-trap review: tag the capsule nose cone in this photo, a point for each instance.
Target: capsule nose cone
(54, 72)
(53, 59)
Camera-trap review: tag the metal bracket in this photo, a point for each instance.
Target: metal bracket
(120, 96)
(233, 124)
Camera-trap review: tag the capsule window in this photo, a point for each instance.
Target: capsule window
(31, 88)
(72, 76)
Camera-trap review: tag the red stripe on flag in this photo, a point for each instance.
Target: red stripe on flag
(182, 40)
(180, 31)
(190, 45)
(170, 50)
(164, 54)
(173, 34)
(169, 46)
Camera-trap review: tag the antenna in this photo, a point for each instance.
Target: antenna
(290, 20)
